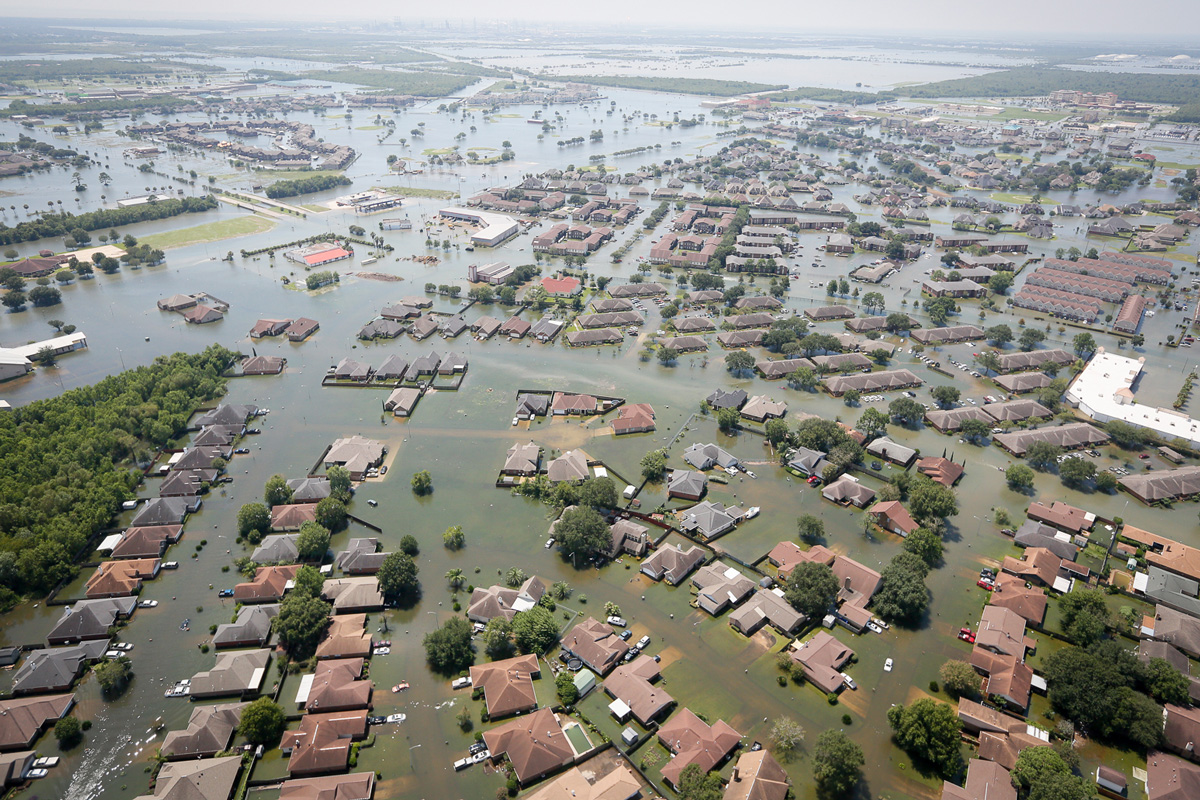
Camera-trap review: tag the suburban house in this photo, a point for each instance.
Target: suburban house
(693, 741)
(207, 778)
(719, 587)
(629, 537)
(707, 456)
(56, 668)
(534, 743)
(507, 685)
(353, 595)
(632, 687)
(251, 627)
(121, 578)
(240, 673)
(268, 586)
(846, 490)
(322, 742)
(892, 516)
(335, 685)
(346, 637)
(23, 719)
(757, 776)
(90, 619)
(672, 564)
(503, 601)
(596, 645)
(766, 607)
(209, 731)
(686, 484)
(822, 658)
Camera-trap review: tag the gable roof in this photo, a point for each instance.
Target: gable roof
(535, 744)
(508, 684)
(55, 669)
(595, 643)
(209, 731)
(695, 742)
(22, 719)
(238, 672)
(205, 779)
(252, 626)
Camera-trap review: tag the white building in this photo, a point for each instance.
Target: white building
(1104, 391)
(495, 228)
(13, 364)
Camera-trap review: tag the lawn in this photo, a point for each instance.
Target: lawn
(209, 232)
(413, 191)
(296, 174)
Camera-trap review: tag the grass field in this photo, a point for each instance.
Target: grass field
(1010, 197)
(411, 191)
(296, 174)
(209, 232)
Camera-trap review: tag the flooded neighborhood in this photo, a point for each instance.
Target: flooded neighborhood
(450, 413)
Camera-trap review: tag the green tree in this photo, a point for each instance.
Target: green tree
(727, 419)
(598, 493)
(929, 731)
(1019, 477)
(44, 296)
(339, 482)
(786, 737)
(564, 685)
(1106, 482)
(776, 431)
(535, 630)
(873, 301)
(1084, 344)
(262, 722)
(583, 534)
(1165, 683)
(902, 596)
(837, 764)
(694, 784)
(998, 335)
(301, 623)
(455, 578)
(810, 529)
(454, 538)
(897, 322)
(409, 545)
(1030, 338)
(1124, 435)
(312, 542)
(946, 396)
(448, 649)
(667, 355)
(277, 492)
(331, 513)
(653, 464)
(1042, 455)
(803, 378)
(497, 638)
(960, 679)
(1076, 472)
(739, 361)
(254, 518)
(1000, 282)
(851, 396)
(308, 582)
(398, 576)
(925, 545)
(872, 423)
(1084, 615)
(929, 500)
(113, 675)
(974, 430)
(811, 589)
(69, 732)
(906, 410)
(1041, 774)
(422, 482)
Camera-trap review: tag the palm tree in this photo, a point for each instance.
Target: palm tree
(455, 578)
(515, 577)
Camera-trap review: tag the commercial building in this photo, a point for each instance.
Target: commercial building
(1104, 391)
(494, 228)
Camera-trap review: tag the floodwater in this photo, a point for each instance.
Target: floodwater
(461, 438)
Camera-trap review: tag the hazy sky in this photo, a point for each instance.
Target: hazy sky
(1058, 19)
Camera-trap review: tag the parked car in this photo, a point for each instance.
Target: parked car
(846, 679)
(618, 621)
(642, 642)
(887, 665)
(626, 635)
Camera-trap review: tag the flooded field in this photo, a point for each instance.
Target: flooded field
(461, 437)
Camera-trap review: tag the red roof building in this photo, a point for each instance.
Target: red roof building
(562, 287)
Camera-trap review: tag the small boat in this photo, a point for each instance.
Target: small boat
(400, 687)
(752, 512)
(185, 625)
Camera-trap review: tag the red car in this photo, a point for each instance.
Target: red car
(984, 583)
(814, 480)
(1144, 455)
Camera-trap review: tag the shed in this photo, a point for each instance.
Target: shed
(585, 681)
(1111, 779)
(619, 709)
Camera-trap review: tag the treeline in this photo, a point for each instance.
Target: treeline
(317, 183)
(1188, 112)
(72, 110)
(21, 71)
(701, 86)
(1038, 81)
(67, 463)
(821, 95)
(29, 144)
(63, 223)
